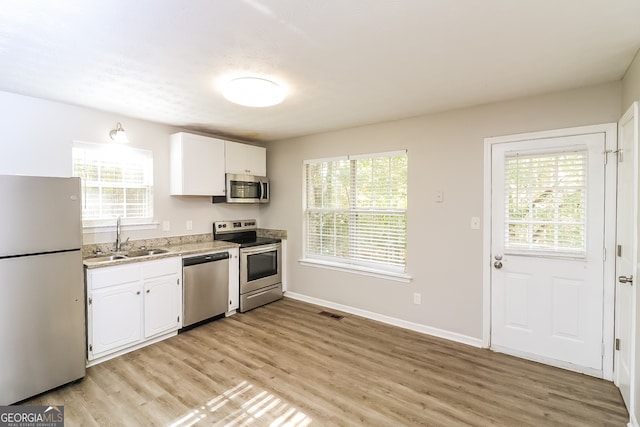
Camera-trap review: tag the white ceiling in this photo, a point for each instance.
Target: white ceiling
(344, 62)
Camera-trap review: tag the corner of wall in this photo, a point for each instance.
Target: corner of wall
(631, 83)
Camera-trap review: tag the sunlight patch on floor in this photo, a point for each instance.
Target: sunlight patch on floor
(244, 405)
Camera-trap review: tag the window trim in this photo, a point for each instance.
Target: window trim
(107, 225)
(357, 267)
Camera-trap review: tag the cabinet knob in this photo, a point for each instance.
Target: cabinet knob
(148, 290)
(138, 293)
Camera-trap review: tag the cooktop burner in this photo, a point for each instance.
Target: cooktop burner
(257, 241)
(243, 232)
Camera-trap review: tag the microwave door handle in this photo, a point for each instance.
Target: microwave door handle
(260, 191)
(263, 191)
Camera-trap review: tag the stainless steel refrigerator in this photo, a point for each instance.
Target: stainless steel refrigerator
(42, 314)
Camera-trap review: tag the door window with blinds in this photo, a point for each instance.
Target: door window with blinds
(545, 203)
(356, 211)
(116, 181)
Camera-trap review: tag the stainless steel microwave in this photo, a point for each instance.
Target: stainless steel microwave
(247, 189)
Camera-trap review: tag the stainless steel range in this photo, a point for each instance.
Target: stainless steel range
(260, 262)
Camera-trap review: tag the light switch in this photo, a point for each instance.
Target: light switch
(475, 223)
(166, 226)
(439, 197)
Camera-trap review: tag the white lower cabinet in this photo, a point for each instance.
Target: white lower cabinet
(131, 305)
(161, 310)
(234, 280)
(115, 315)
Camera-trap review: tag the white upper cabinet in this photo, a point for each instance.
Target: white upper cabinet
(197, 165)
(245, 159)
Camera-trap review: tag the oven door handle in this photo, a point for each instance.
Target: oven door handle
(259, 249)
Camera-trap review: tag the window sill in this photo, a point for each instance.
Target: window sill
(102, 228)
(356, 269)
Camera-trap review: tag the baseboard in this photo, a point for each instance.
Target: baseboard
(427, 330)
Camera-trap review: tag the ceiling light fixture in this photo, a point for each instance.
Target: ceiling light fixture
(253, 92)
(118, 134)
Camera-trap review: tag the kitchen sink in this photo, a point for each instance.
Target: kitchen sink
(107, 258)
(129, 255)
(146, 252)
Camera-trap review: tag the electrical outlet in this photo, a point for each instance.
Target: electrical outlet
(438, 197)
(475, 223)
(166, 226)
(417, 298)
(189, 224)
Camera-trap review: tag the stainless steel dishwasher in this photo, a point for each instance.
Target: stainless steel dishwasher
(205, 287)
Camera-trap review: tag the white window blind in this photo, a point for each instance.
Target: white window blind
(545, 202)
(116, 181)
(356, 210)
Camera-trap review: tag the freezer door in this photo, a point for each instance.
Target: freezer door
(40, 214)
(43, 324)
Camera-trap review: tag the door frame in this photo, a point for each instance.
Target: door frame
(610, 130)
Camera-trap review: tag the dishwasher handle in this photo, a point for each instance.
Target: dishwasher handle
(202, 259)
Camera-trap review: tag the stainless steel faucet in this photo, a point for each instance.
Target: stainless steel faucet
(119, 243)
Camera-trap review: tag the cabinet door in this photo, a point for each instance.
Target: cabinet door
(234, 279)
(115, 318)
(161, 305)
(197, 165)
(245, 159)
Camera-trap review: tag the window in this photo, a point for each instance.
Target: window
(356, 211)
(116, 181)
(546, 202)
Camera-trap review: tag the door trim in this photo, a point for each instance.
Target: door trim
(631, 115)
(610, 130)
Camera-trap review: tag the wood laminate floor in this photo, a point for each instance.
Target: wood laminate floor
(285, 364)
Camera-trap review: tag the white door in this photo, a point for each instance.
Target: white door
(115, 319)
(161, 305)
(626, 249)
(547, 240)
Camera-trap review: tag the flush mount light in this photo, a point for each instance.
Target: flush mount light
(118, 134)
(253, 92)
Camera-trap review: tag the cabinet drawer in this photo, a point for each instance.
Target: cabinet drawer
(112, 276)
(161, 267)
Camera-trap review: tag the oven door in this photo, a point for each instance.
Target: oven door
(260, 266)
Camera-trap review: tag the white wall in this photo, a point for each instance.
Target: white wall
(445, 153)
(631, 83)
(37, 137)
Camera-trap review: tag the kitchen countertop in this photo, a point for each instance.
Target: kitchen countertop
(178, 249)
(175, 246)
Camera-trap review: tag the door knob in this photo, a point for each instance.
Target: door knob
(625, 279)
(497, 265)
